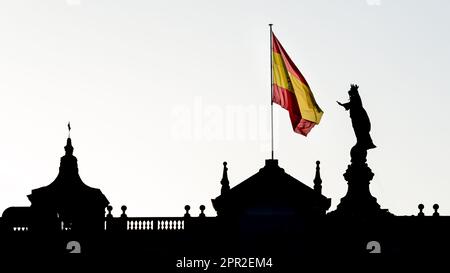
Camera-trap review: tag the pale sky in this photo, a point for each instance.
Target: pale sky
(159, 94)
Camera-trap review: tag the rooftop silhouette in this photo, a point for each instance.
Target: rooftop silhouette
(270, 214)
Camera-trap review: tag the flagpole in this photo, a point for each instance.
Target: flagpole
(271, 87)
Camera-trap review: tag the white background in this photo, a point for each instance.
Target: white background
(160, 93)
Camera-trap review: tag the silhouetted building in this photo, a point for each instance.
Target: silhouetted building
(67, 201)
(269, 193)
(269, 215)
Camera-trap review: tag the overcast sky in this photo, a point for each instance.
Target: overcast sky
(160, 93)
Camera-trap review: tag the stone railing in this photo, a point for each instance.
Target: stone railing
(155, 223)
(20, 228)
(125, 223)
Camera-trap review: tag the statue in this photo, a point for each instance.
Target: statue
(360, 120)
(359, 201)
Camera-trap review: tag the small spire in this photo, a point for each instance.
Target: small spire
(317, 179)
(225, 183)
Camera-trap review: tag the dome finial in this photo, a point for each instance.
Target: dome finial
(225, 183)
(69, 147)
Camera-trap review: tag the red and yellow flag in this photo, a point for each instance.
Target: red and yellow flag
(292, 92)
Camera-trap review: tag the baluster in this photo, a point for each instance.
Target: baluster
(202, 211)
(436, 207)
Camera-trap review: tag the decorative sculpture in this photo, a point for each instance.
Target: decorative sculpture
(358, 200)
(360, 119)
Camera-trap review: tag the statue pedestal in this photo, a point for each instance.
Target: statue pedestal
(359, 201)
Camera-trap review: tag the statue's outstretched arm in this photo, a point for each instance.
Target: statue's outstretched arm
(345, 105)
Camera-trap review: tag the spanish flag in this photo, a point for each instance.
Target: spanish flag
(292, 92)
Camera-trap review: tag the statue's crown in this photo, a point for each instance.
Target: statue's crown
(353, 89)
